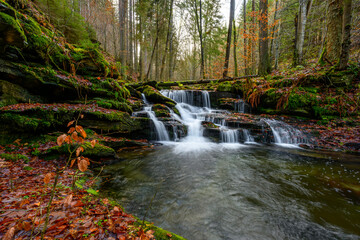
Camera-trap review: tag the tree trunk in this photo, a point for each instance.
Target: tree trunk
(345, 46)
(167, 39)
(277, 47)
(199, 27)
(253, 71)
(273, 37)
(245, 41)
(122, 37)
(264, 60)
(304, 9)
(334, 31)
(131, 51)
(228, 41)
(234, 49)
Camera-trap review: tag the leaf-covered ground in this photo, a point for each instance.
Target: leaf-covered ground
(75, 214)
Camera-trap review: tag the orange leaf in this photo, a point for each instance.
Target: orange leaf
(9, 234)
(93, 143)
(68, 139)
(47, 178)
(60, 140)
(78, 128)
(74, 136)
(71, 123)
(72, 129)
(82, 165)
(79, 150)
(72, 163)
(67, 200)
(26, 226)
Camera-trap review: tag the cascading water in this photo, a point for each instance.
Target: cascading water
(194, 108)
(161, 133)
(239, 106)
(248, 137)
(284, 133)
(194, 98)
(229, 135)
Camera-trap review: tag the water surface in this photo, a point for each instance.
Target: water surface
(203, 190)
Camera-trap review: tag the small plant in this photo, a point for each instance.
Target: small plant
(73, 139)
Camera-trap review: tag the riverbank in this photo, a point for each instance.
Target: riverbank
(79, 213)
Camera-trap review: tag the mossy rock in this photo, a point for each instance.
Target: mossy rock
(155, 96)
(13, 157)
(11, 32)
(161, 110)
(96, 152)
(225, 87)
(21, 123)
(112, 104)
(12, 93)
(159, 233)
(119, 122)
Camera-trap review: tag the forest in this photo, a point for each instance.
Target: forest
(179, 119)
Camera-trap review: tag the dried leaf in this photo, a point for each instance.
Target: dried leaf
(72, 129)
(74, 136)
(26, 226)
(47, 178)
(60, 140)
(93, 143)
(71, 123)
(79, 150)
(9, 234)
(68, 139)
(67, 200)
(82, 165)
(72, 163)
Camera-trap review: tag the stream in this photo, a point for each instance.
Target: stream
(237, 189)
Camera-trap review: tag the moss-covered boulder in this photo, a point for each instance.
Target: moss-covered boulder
(11, 32)
(161, 110)
(12, 93)
(155, 96)
(97, 152)
(225, 87)
(46, 117)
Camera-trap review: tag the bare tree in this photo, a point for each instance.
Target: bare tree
(228, 41)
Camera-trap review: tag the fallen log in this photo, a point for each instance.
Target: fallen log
(192, 82)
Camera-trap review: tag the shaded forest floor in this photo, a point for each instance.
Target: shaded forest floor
(75, 213)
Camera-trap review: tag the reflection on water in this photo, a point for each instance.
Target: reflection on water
(234, 191)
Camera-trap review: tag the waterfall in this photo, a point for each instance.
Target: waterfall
(193, 98)
(229, 135)
(248, 137)
(194, 108)
(161, 133)
(284, 133)
(239, 106)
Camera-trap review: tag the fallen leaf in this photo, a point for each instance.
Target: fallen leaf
(47, 178)
(67, 200)
(9, 234)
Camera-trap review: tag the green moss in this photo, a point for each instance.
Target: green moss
(161, 110)
(7, 19)
(112, 104)
(13, 157)
(159, 233)
(155, 96)
(224, 87)
(24, 123)
(98, 151)
(300, 99)
(112, 116)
